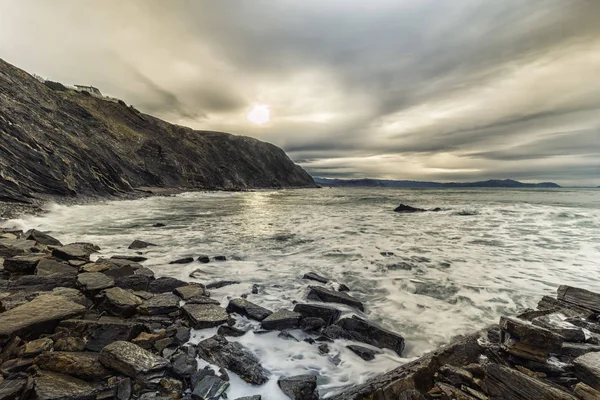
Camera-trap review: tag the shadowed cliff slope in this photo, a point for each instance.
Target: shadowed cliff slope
(65, 143)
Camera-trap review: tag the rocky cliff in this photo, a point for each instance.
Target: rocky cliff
(59, 142)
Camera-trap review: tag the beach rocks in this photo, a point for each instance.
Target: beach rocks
(85, 366)
(165, 284)
(209, 387)
(363, 352)
(556, 324)
(579, 297)
(24, 264)
(40, 237)
(94, 282)
(55, 386)
(529, 341)
(585, 392)
(37, 346)
(47, 267)
(328, 314)
(282, 319)
(163, 303)
(299, 387)
(234, 357)
(184, 260)
(101, 333)
(315, 277)
(75, 251)
(329, 296)
(37, 283)
(14, 247)
(226, 330)
(120, 302)
(190, 291)
(203, 316)
(184, 364)
(12, 388)
(587, 369)
(139, 244)
(247, 309)
(133, 361)
(358, 329)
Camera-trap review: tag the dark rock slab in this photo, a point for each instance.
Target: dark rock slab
(133, 361)
(226, 330)
(203, 316)
(38, 346)
(587, 369)
(579, 297)
(299, 387)
(55, 386)
(315, 277)
(85, 366)
(11, 388)
(202, 300)
(162, 303)
(41, 315)
(365, 353)
(329, 296)
(75, 251)
(220, 284)
(220, 258)
(364, 331)
(523, 339)
(455, 376)
(165, 284)
(183, 364)
(120, 302)
(101, 333)
(94, 282)
(48, 267)
(326, 313)
(189, 291)
(312, 324)
(568, 309)
(234, 357)
(15, 247)
(556, 324)
(574, 350)
(139, 244)
(282, 319)
(210, 387)
(42, 283)
(247, 309)
(24, 264)
(40, 237)
(204, 259)
(405, 209)
(184, 260)
(505, 383)
(133, 282)
(135, 259)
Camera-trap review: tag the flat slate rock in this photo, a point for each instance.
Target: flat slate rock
(523, 339)
(248, 309)
(162, 303)
(587, 369)
(103, 332)
(189, 291)
(41, 315)
(11, 388)
(55, 386)
(315, 277)
(234, 357)
(556, 324)
(43, 283)
(139, 244)
(94, 281)
(120, 302)
(226, 330)
(329, 296)
(203, 316)
(41, 237)
(210, 387)
(282, 319)
(364, 331)
(326, 313)
(75, 251)
(15, 247)
(363, 352)
(131, 360)
(24, 264)
(580, 297)
(299, 387)
(80, 365)
(48, 267)
(165, 284)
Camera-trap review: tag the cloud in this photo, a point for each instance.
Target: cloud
(412, 89)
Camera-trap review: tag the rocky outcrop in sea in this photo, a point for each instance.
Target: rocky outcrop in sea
(72, 328)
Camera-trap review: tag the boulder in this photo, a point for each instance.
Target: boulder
(183, 364)
(556, 324)
(184, 260)
(163, 303)
(299, 387)
(220, 258)
(48, 267)
(203, 316)
(234, 357)
(32, 283)
(329, 296)
(365, 353)
(579, 297)
(248, 309)
(327, 314)
(364, 331)
(139, 244)
(568, 309)
(165, 285)
(209, 387)
(55, 386)
(315, 277)
(189, 291)
(587, 369)
(203, 259)
(101, 333)
(133, 361)
(94, 282)
(282, 319)
(529, 341)
(120, 302)
(220, 284)
(80, 365)
(404, 209)
(226, 330)
(40, 237)
(24, 264)
(37, 346)
(41, 315)
(75, 251)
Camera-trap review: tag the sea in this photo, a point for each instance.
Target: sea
(428, 276)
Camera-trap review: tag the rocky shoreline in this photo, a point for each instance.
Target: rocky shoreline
(71, 328)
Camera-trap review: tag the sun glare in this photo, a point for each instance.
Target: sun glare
(259, 115)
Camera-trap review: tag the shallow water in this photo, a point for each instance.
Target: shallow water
(428, 276)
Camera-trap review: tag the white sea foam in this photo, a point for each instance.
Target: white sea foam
(428, 276)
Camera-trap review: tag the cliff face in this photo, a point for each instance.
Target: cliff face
(66, 143)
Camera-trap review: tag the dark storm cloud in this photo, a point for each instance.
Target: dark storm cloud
(412, 89)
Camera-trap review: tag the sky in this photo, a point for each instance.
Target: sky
(442, 90)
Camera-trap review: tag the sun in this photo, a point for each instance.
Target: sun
(259, 115)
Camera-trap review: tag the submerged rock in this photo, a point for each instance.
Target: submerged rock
(133, 361)
(361, 330)
(233, 356)
(226, 330)
(363, 352)
(299, 387)
(184, 260)
(248, 309)
(403, 208)
(329, 296)
(326, 313)
(315, 277)
(203, 316)
(282, 319)
(139, 244)
(220, 284)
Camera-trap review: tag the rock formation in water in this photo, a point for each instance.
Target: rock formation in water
(60, 142)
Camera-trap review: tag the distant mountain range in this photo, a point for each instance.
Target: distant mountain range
(493, 183)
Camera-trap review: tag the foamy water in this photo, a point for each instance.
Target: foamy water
(427, 276)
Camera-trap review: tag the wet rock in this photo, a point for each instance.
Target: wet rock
(343, 288)
(38, 346)
(327, 314)
(282, 319)
(15, 247)
(590, 326)
(203, 316)
(40, 237)
(139, 244)
(315, 277)
(226, 330)
(93, 267)
(329, 296)
(11, 389)
(248, 309)
(455, 376)
(209, 388)
(363, 352)
(184, 260)
(80, 365)
(158, 225)
(234, 357)
(323, 348)
(587, 369)
(16, 365)
(99, 334)
(585, 392)
(505, 383)
(573, 350)
(120, 302)
(147, 340)
(554, 323)
(182, 335)
(41, 315)
(32, 283)
(75, 251)
(203, 259)
(364, 331)
(189, 291)
(55, 386)
(133, 361)
(256, 397)
(579, 297)
(183, 364)
(94, 282)
(220, 284)
(163, 303)
(133, 282)
(220, 258)
(255, 289)
(135, 259)
(403, 208)
(299, 387)
(568, 309)
(285, 335)
(529, 341)
(312, 324)
(23, 265)
(165, 284)
(50, 267)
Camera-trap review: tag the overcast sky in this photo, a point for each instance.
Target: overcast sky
(399, 89)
